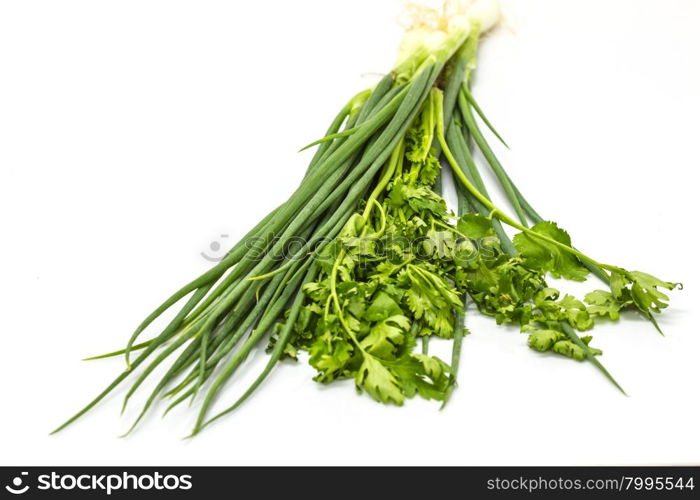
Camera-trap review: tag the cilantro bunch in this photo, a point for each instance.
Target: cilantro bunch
(394, 274)
(365, 259)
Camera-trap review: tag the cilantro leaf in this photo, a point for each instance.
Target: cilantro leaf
(378, 381)
(556, 341)
(385, 336)
(426, 376)
(571, 350)
(330, 355)
(544, 340)
(603, 304)
(645, 291)
(640, 289)
(475, 226)
(575, 312)
(440, 244)
(545, 256)
(382, 307)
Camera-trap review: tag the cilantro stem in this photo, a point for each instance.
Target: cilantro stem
(512, 192)
(504, 217)
(336, 301)
(452, 229)
(395, 159)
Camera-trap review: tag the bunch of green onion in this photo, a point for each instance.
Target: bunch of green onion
(233, 307)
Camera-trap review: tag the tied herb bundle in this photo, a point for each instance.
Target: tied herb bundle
(384, 263)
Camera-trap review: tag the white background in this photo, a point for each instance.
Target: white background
(135, 133)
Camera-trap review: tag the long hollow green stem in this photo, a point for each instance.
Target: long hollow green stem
(277, 351)
(505, 218)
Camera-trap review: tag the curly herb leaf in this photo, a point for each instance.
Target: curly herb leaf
(556, 341)
(539, 254)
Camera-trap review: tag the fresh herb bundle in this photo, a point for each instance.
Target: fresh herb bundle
(383, 261)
